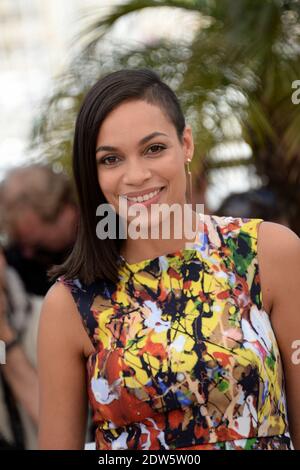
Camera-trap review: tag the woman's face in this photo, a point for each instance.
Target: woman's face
(139, 154)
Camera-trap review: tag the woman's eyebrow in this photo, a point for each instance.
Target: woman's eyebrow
(144, 140)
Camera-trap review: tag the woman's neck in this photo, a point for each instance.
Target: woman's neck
(135, 250)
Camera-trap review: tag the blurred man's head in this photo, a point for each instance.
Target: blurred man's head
(38, 209)
(261, 203)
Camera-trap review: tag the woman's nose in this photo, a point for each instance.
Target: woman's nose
(136, 173)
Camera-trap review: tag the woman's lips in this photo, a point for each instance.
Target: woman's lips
(153, 200)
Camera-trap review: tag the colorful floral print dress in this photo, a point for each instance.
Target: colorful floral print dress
(185, 355)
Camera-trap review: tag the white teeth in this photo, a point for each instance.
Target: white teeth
(143, 198)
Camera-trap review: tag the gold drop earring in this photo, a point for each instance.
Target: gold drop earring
(189, 181)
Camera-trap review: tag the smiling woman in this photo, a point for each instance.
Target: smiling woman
(175, 346)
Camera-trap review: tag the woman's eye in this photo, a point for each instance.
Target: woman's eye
(109, 160)
(156, 148)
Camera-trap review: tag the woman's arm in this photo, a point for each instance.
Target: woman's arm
(62, 348)
(279, 258)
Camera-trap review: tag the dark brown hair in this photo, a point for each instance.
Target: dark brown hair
(91, 257)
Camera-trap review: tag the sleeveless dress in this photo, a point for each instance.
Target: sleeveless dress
(185, 355)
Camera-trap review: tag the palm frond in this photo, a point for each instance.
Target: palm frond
(97, 29)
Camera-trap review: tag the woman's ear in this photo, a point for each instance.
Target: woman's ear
(188, 143)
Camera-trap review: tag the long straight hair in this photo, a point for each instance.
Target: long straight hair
(92, 258)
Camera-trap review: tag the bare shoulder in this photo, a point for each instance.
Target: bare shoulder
(57, 296)
(279, 259)
(58, 307)
(275, 233)
(59, 315)
(277, 242)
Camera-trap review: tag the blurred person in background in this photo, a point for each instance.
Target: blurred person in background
(259, 203)
(39, 218)
(18, 377)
